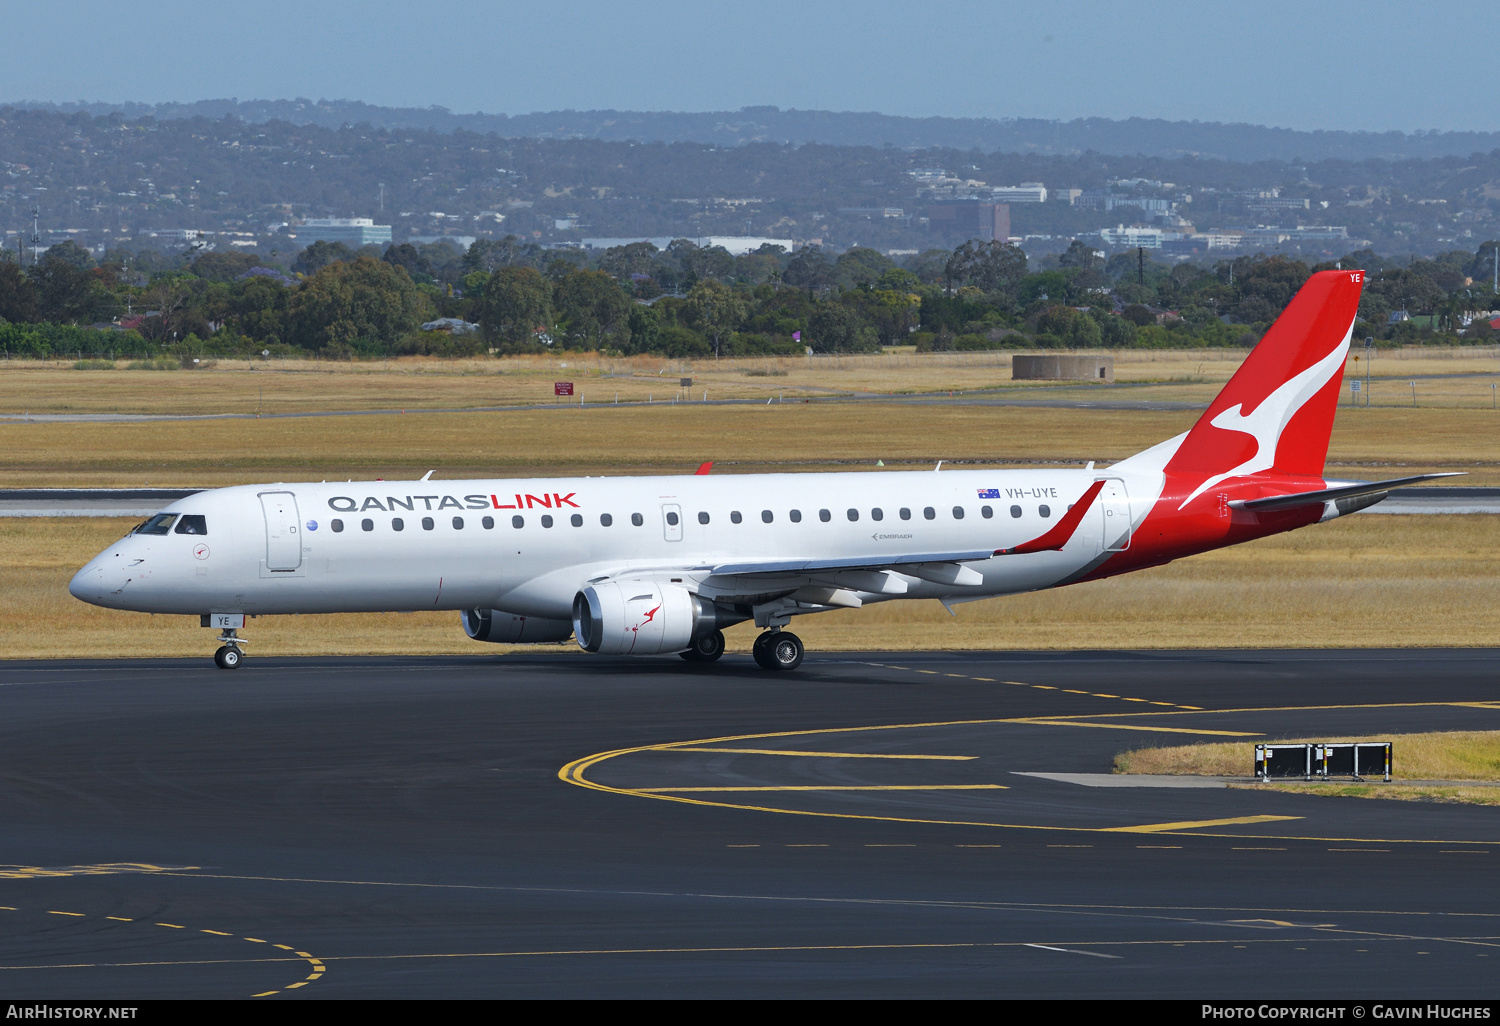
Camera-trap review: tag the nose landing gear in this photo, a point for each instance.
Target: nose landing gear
(229, 656)
(778, 650)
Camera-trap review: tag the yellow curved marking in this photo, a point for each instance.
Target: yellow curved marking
(677, 791)
(1171, 828)
(573, 773)
(829, 755)
(315, 963)
(1131, 726)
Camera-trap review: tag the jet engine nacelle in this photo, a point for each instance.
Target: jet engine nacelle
(643, 617)
(498, 626)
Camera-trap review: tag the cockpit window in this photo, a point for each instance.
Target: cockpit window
(159, 524)
(192, 523)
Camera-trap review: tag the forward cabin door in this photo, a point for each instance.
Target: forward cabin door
(671, 521)
(283, 540)
(1114, 504)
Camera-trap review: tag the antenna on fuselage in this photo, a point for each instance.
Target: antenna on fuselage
(427, 476)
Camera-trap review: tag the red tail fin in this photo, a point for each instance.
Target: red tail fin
(1277, 411)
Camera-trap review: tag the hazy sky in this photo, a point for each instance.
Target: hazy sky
(1374, 64)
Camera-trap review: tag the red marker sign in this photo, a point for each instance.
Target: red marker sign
(562, 388)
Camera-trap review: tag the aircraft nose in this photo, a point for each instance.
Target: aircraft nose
(87, 583)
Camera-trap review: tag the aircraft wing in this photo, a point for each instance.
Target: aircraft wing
(883, 574)
(781, 567)
(1336, 490)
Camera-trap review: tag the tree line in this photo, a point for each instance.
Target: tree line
(512, 296)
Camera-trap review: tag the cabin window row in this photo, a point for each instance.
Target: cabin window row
(735, 517)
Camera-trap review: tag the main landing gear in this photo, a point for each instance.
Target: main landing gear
(778, 650)
(229, 656)
(705, 648)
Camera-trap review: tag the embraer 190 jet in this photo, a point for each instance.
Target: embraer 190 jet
(661, 565)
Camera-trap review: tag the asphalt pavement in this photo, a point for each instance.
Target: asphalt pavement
(873, 825)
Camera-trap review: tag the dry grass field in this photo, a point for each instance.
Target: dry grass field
(1449, 756)
(1365, 580)
(670, 438)
(1445, 377)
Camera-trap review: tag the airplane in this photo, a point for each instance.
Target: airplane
(661, 565)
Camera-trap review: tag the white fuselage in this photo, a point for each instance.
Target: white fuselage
(275, 548)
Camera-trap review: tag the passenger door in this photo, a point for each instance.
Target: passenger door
(1114, 502)
(283, 536)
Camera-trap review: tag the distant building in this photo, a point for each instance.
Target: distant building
(1221, 240)
(739, 245)
(1026, 192)
(352, 231)
(1098, 199)
(873, 211)
(1067, 196)
(1275, 204)
(970, 219)
(1272, 236)
(1137, 238)
(660, 242)
(176, 234)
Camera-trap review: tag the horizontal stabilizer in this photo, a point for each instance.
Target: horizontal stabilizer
(1337, 490)
(1062, 530)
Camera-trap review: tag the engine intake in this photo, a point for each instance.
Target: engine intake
(496, 625)
(643, 617)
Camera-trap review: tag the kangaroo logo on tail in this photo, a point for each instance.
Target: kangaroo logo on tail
(1267, 421)
(1276, 412)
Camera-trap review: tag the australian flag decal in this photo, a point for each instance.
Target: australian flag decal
(989, 493)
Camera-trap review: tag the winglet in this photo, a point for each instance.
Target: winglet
(704, 468)
(1063, 530)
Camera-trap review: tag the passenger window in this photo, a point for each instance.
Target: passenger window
(702, 518)
(987, 511)
(397, 524)
(159, 524)
(824, 515)
(546, 520)
(1045, 511)
(853, 515)
(192, 523)
(427, 524)
(672, 519)
(958, 512)
(338, 526)
(795, 516)
(905, 513)
(637, 519)
(576, 520)
(1015, 511)
(488, 523)
(765, 516)
(605, 520)
(735, 517)
(367, 525)
(929, 513)
(877, 513)
(458, 523)
(518, 522)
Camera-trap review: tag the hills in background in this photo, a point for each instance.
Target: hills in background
(1135, 136)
